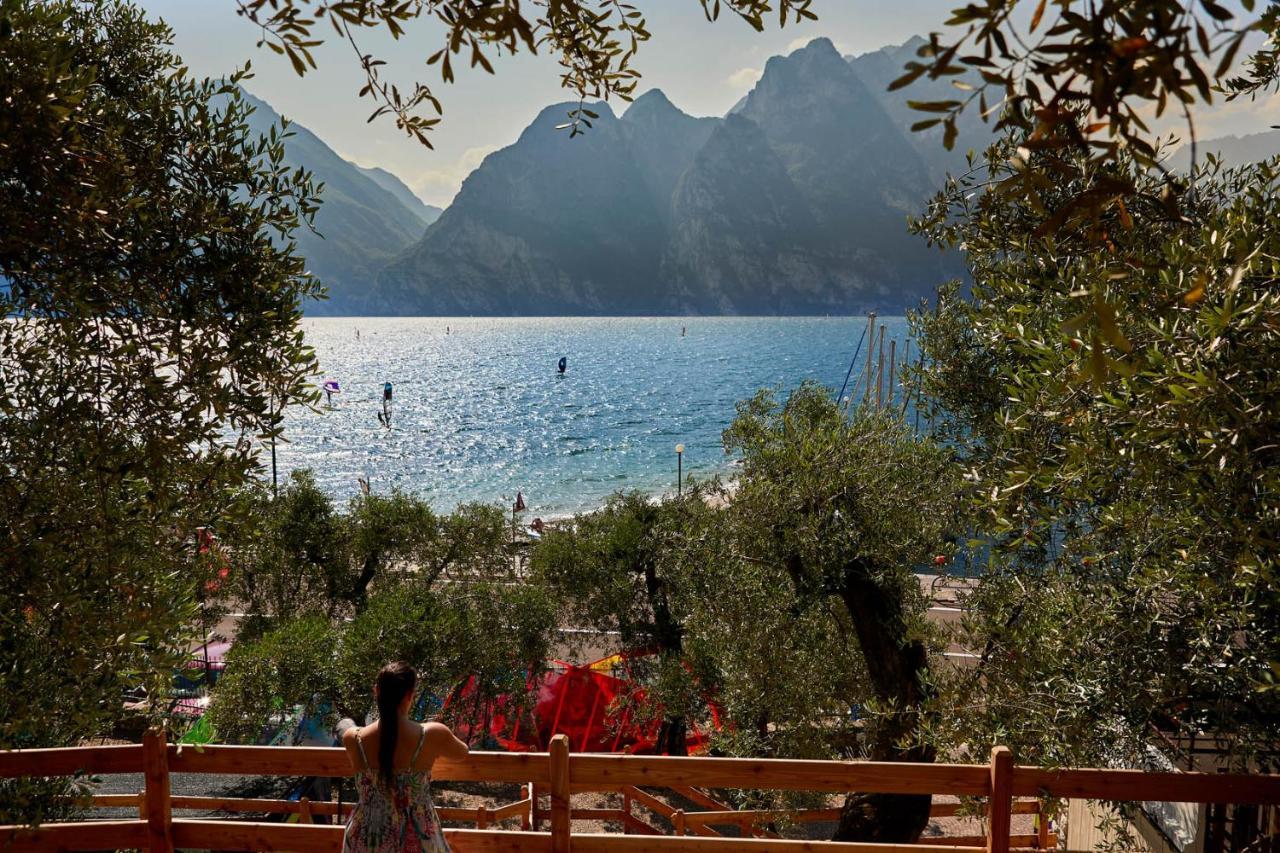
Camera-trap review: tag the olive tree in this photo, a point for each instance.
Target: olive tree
(1124, 454)
(850, 510)
(296, 552)
(612, 569)
(336, 593)
(151, 293)
(765, 649)
(790, 599)
(1079, 87)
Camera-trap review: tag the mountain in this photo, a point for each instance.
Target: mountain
(548, 225)
(878, 68)
(743, 234)
(360, 225)
(664, 141)
(1234, 150)
(799, 203)
(795, 203)
(428, 213)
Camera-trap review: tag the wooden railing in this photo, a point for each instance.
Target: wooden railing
(559, 775)
(528, 812)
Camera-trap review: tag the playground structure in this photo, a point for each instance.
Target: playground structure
(554, 777)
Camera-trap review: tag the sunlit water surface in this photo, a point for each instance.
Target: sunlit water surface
(479, 412)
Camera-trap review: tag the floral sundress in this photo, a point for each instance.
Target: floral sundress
(395, 819)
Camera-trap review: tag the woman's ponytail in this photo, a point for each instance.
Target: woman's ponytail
(395, 681)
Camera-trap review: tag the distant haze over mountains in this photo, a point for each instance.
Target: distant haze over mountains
(428, 213)
(1234, 150)
(795, 203)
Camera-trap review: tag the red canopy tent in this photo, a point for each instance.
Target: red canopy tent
(578, 700)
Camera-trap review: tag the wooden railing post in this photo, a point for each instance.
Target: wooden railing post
(526, 819)
(626, 812)
(155, 771)
(560, 822)
(1000, 805)
(677, 822)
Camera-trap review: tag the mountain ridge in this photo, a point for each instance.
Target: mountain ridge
(796, 203)
(428, 213)
(1234, 150)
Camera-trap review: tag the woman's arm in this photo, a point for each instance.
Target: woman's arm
(349, 735)
(441, 742)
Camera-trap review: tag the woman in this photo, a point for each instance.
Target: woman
(392, 760)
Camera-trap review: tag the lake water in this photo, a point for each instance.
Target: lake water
(479, 411)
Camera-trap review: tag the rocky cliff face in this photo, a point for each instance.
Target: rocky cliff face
(879, 68)
(664, 142)
(743, 238)
(795, 203)
(799, 202)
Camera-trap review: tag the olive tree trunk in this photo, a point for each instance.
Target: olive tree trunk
(668, 635)
(896, 667)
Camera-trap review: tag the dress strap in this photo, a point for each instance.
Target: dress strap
(422, 741)
(363, 758)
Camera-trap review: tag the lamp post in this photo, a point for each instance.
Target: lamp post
(516, 507)
(275, 489)
(201, 592)
(679, 470)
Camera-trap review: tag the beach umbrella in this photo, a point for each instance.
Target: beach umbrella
(331, 386)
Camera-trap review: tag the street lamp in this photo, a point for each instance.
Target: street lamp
(679, 469)
(201, 591)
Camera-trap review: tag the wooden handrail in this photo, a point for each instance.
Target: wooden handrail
(333, 762)
(560, 774)
(68, 761)
(1138, 785)
(595, 772)
(518, 808)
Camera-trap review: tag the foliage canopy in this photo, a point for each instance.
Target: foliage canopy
(337, 593)
(1123, 444)
(594, 42)
(151, 301)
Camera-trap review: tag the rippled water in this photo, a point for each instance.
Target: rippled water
(478, 410)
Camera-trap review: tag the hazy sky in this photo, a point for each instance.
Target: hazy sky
(704, 69)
